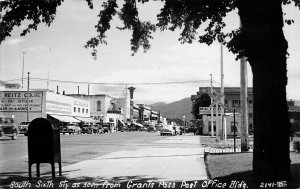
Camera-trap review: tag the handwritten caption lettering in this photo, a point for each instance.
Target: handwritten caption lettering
(132, 184)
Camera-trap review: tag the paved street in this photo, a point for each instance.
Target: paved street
(114, 156)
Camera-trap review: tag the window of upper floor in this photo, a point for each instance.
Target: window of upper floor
(98, 105)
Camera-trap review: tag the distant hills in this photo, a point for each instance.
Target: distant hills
(175, 109)
(180, 108)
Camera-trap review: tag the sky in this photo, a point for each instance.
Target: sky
(57, 52)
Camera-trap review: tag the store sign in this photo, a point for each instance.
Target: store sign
(204, 110)
(16, 101)
(58, 107)
(207, 110)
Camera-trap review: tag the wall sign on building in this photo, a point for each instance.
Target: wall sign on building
(12, 101)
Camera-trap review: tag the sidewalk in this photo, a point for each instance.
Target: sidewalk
(166, 162)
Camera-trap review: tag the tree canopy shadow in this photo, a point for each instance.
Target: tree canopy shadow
(247, 177)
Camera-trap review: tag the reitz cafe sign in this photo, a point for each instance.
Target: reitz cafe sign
(16, 101)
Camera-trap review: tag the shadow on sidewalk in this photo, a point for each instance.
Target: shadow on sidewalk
(246, 176)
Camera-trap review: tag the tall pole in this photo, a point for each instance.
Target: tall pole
(222, 93)
(244, 107)
(27, 97)
(212, 108)
(126, 104)
(88, 89)
(23, 68)
(234, 129)
(48, 80)
(78, 90)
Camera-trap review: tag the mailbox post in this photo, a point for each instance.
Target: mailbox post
(43, 145)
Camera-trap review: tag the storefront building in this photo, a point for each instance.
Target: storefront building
(43, 103)
(231, 100)
(104, 109)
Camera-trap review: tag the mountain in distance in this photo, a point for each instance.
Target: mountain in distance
(176, 109)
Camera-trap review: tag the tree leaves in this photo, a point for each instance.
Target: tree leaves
(105, 16)
(189, 16)
(14, 12)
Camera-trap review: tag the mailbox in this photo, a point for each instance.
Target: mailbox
(43, 145)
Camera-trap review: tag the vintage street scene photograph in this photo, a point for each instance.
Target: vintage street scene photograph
(146, 94)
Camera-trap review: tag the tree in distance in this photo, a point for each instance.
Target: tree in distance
(260, 39)
(202, 100)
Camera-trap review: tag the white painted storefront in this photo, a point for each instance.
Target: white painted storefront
(42, 103)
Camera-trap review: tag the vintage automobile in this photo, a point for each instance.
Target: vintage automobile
(86, 129)
(106, 128)
(71, 128)
(8, 128)
(168, 130)
(23, 127)
(151, 129)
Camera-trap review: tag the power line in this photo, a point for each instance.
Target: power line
(113, 83)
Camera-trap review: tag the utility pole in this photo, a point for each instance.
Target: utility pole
(48, 80)
(244, 103)
(23, 68)
(126, 103)
(244, 106)
(212, 108)
(222, 93)
(27, 97)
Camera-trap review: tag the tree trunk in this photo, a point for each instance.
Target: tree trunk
(266, 48)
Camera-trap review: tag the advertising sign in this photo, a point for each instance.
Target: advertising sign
(16, 101)
(204, 110)
(207, 110)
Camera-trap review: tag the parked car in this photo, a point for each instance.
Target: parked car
(106, 127)
(178, 130)
(87, 129)
(71, 128)
(23, 127)
(167, 130)
(151, 129)
(8, 127)
(99, 129)
(143, 129)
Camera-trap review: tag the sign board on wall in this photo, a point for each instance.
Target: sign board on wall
(16, 101)
(207, 110)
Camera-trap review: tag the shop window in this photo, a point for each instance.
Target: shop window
(78, 110)
(87, 111)
(74, 109)
(82, 110)
(98, 105)
(236, 103)
(111, 119)
(232, 126)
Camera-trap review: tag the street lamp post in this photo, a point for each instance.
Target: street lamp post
(27, 97)
(23, 67)
(184, 124)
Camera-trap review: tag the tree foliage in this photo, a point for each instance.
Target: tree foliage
(186, 15)
(202, 100)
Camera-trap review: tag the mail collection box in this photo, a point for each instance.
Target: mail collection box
(43, 145)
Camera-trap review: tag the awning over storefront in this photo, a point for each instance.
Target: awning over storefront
(86, 119)
(62, 118)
